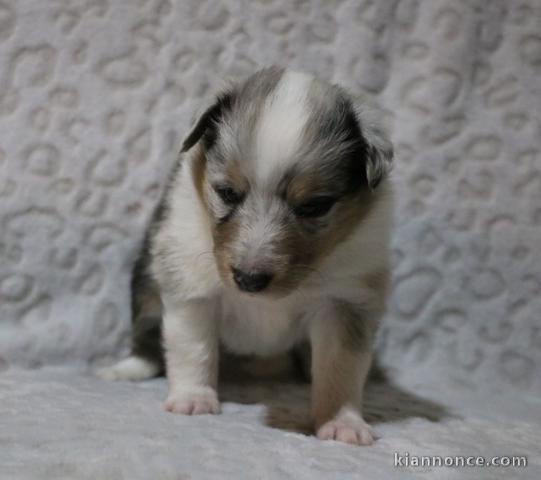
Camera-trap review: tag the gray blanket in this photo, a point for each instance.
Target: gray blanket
(95, 96)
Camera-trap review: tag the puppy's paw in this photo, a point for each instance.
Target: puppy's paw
(193, 401)
(349, 429)
(131, 368)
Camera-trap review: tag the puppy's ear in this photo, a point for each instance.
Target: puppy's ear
(379, 152)
(206, 127)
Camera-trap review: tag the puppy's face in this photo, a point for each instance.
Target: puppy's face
(286, 169)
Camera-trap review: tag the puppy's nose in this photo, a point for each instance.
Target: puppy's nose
(251, 282)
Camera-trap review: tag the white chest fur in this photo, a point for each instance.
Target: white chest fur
(252, 326)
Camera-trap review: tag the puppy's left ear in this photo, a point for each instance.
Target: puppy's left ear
(206, 127)
(380, 152)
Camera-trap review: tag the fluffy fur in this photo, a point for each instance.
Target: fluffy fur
(274, 232)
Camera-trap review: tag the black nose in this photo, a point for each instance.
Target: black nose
(251, 282)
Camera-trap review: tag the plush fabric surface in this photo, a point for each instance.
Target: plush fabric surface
(62, 425)
(95, 96)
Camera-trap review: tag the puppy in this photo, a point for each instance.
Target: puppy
(274, 231)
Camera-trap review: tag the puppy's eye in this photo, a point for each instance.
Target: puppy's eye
(228, 195)
(316, 207)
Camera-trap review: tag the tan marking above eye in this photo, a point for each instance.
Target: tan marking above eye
(235, 177)
(303, 188)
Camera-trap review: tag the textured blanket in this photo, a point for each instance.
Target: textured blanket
(95, 96)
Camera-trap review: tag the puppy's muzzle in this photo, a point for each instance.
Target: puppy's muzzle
(251, 282)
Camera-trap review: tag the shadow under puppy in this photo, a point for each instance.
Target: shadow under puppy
(274, 232)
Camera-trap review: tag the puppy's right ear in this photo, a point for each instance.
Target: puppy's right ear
(206, 128)
(379, 154)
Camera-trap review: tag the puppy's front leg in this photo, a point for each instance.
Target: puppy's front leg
(191, 354)
(341, 355)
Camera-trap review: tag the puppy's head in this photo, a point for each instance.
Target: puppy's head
(286, 166)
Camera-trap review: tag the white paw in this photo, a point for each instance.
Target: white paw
(349, 429)
(193, 401)
(131, 368)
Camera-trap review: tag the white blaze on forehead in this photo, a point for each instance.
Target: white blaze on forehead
(284, 115)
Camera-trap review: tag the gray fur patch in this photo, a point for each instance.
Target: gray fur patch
(238, 107)
(333, 141)
(236, 132)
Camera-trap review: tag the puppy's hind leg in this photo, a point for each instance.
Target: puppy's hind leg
(146, 358)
